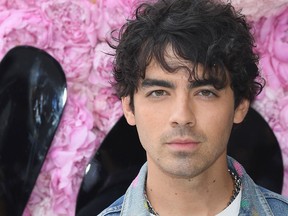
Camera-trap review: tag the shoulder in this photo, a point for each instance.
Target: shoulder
(114, 209)
(277, 202)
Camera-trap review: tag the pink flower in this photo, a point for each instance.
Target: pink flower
(269, 71)
(284, 113)
(272, 44)
(271, 34)
(24, 27)
(106, 105)
(112, 14)
(74, 35)
(256, 9)
(64, 166)
(71, 31)
(73, 22)
(76, 61)
(19, 4)
(107, 109)
(101, 75)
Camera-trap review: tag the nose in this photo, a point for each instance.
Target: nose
(182, 112)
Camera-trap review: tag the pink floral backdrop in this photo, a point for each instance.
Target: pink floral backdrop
(74, 33)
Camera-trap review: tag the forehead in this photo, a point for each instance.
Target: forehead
(171, 63)
(174, 64)
(174, 60)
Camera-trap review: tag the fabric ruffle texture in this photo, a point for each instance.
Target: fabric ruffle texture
(74, 33)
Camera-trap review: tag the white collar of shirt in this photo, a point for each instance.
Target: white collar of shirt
(233, 208)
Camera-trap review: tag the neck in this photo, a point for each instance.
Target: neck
(205, 194)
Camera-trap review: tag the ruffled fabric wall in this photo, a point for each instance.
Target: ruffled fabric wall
(74, 33)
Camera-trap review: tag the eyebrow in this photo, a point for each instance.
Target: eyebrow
(203, 82)
(156, 82)
(167, 84)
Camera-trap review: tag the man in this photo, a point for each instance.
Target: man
(186, 73)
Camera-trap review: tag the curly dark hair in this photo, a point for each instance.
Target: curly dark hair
(206, 32)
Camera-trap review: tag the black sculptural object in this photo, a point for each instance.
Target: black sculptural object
(255, 146)
(112, 169)
(33, 94)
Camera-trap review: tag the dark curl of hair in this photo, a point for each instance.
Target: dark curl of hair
(206, 32)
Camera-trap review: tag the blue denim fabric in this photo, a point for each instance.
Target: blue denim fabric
(255, 201)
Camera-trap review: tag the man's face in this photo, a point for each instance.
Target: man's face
(183, 127)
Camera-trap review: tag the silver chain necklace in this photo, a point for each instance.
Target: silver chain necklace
(236, 190)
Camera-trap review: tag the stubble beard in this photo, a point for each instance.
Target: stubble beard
(183, 164)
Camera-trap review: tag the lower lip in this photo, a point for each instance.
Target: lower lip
(183, 146)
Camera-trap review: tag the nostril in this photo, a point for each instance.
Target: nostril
(178, 123)
(190, 124)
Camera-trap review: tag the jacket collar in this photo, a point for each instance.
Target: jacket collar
(253, 201)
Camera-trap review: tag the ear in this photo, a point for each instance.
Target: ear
(128, 112)
(241, 111)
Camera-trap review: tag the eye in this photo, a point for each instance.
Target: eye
(157, 93)
(207, 93)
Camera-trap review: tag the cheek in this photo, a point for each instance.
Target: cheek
(149, 127)
(144, 128)
(218, 125)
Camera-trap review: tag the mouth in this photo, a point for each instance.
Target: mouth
(183, 144)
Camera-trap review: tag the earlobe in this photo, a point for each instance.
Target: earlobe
(241, 111)
(127, 110)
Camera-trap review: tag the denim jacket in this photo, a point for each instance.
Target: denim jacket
(255, 200)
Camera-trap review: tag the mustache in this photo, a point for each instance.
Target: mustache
(185, 132)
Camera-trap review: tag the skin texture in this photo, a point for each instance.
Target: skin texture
(184, 128)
